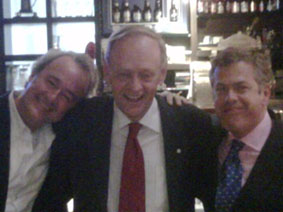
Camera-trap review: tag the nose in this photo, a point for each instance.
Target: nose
(53, 97)
(135, 83)
(231, 95)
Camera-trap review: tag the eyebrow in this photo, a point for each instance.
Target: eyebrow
(74, 96)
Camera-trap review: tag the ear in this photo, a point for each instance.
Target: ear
(266, 94)
(163, 75)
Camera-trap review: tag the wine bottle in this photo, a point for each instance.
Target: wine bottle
(147, 15)
(173, 12)
(261, 6)
(235, 6)
(213, 7)
(157, 11)
(228, 6)
(116, 14)
(269, 6)
(220, 7)
(200, 6)
(126, 13)
(136, 14)
(253, 6)
(244, 6)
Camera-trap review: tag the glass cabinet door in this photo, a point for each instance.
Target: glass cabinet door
(22, 39)
(72, 8)
(73, 36)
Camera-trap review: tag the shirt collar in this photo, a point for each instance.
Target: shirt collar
(258, 136)
(150, 120)
(15, 116)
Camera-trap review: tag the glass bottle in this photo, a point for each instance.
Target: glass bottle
(136, 14)
(200, 6)
(228, 6)
(126, 12)
(244, 6)
(269, 6)
(220, 7)
(116, 14)
(213, 7)
(253, 6)
(261, 6)
(147, 15)
(157, 11)
(173, 12)
(235, 6)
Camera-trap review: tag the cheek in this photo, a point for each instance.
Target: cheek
(63, 108)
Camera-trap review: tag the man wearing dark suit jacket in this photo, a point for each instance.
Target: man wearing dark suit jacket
(58, 81)
(241, 83)
(172, 139)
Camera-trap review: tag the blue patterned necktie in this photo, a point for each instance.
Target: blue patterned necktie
(229, 181)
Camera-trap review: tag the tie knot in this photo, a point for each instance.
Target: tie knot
(134, 129)
(236, 146)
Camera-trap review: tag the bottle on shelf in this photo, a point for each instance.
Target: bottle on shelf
(261, 7)
(236, 6)
(253, 6)
(157, 11)
(126, 12)
(206, 6)
(228, 6)
(244, 6)
(200, 6)
(269, 6)
(116, 13)
(213, 6)
(173, 12)
(147, 15)
(220, 7)
(136, 14)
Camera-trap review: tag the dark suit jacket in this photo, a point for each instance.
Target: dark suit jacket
(263, 190)
(86, 169)
(4, 149)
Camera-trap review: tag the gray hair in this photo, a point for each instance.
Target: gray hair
(83, 60)
(134, 31)
(260, 59)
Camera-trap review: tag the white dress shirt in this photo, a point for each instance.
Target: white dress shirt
(151, 141)
(29, 156)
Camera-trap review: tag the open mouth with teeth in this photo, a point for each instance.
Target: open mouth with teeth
(133, 98)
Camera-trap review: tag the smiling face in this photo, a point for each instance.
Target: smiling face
(50, 93)
(239, 101)
(134, 73)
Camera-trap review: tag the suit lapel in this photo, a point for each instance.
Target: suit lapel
(99, 148)
(4, 150)
(266, 163)
(173, 151)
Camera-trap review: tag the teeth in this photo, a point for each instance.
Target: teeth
(133, 97)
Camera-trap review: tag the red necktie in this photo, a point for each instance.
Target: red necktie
(132, 190)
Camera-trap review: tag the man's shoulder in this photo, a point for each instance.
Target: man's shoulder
(183, 110)
(4, 104)
(277, 131)
(4, 98)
